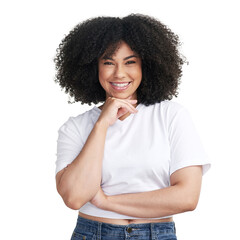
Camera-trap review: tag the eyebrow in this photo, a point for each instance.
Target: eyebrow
(106, 57)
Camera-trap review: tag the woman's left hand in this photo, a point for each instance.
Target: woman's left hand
(100, 199)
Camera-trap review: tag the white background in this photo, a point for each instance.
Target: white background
(33, 108)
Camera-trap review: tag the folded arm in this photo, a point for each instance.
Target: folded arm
(181, 196)
(71, 182)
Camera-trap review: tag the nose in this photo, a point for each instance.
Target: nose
(119, 72)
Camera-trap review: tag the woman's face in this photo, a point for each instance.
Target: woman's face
(121, 74)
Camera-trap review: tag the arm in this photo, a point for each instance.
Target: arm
(80, 181)
(181, 196)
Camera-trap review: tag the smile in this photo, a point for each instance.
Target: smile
(120, 86)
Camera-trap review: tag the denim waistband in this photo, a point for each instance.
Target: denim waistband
(100, 230)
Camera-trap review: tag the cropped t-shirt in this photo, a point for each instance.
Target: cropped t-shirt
(141, 152)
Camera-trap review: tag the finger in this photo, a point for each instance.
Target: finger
(132, 101)
(121, 112)
(128, 107)
(125, 103)
(130, 104)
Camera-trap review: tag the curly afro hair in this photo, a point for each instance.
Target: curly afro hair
(78, 53)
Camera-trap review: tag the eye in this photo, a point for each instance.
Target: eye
(108, 63)
(130, 62)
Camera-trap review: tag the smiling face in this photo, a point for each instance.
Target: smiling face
(121, 74)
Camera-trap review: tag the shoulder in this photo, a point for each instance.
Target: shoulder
(170, 113)
(80, 121)
(171, 106)
(166, 108)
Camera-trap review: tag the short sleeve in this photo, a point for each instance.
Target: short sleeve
(69, 144)
(185, 144)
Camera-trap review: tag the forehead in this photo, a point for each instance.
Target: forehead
(120, 50)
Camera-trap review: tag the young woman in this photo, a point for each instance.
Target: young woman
(129, 165)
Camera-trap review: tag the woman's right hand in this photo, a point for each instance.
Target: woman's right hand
(114, 108)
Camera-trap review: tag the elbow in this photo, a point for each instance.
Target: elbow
(73, 203)
(70, 201)
(191, 204)
(192, 207)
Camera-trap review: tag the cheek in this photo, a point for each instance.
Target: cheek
(103, 77)
(104, 74)
(137, 73)
(140, 73)
(101, 81)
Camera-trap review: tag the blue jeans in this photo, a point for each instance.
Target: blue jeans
(92, 230)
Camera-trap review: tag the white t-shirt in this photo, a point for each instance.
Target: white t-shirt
(141, 152)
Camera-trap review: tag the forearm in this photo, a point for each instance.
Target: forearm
(153, 204)
(81, 179)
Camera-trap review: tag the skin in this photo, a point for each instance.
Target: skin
(181, 196)
(124, 66)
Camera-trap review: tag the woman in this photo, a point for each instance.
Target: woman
(129, 165)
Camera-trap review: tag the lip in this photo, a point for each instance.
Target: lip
(120, 82)
(120, 88)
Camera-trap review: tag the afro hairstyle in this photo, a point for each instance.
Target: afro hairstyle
(77, 57)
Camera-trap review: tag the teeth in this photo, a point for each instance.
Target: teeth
(120, 84)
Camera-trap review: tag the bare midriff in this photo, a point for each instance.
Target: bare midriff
(124, 221)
